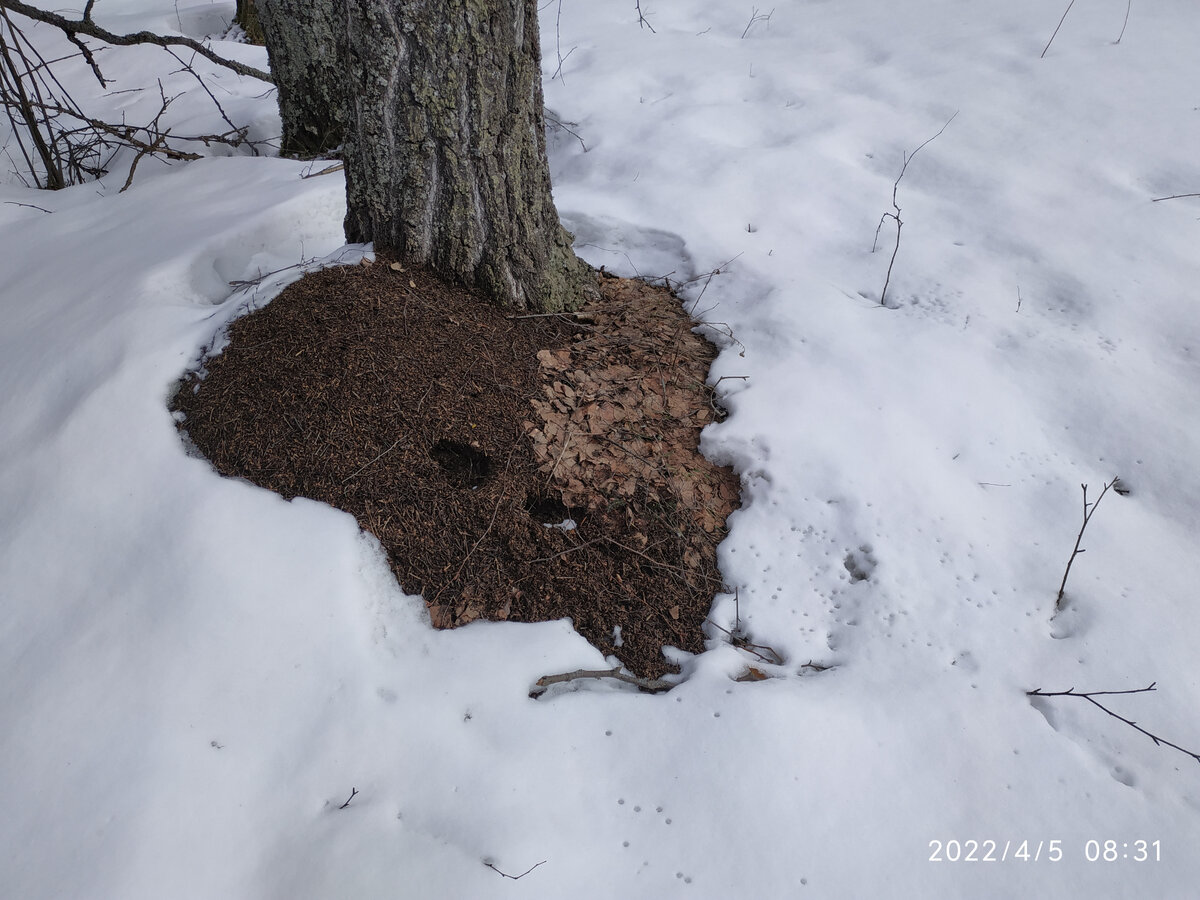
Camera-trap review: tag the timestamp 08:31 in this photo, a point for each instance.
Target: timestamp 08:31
(953, 850)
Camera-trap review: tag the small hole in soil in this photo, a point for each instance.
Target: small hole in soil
(463, 464)
(551, 510)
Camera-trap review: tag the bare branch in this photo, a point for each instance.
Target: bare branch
(649, 685)
(1088, 510)
(74, 27)
(328, 170)
(1173, 197)
(513, 877)
(643, 22)
(756, 16)
(1125, 24)
(187, 67)
(1090, 697)
(29, 205)
(559, 124)
(1060, 22)
(895, 214)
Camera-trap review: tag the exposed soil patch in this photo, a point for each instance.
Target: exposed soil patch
(523, 468)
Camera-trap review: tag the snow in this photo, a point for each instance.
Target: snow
(197, 673)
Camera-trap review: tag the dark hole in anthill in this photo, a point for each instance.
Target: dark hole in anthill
(463, 464)
(551, 510)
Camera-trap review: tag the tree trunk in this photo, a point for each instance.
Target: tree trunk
(246, 15)
(446, 151)
(304, 45)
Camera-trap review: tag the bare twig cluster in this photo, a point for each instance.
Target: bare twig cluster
(45, 122)
(756, 17)
(73, 28)
(894, 215)
(1090, 697)
(558, 73)
(643, 22)
(555, 122)
(1124, 25)
(762, 652)
(59, 144)
(1088, 510)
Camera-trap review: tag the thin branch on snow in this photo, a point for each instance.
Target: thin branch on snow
(72, 28)
(649, 685)
(1128, 7)
(1090, 697)
(756, 16)
(643, 22)
(29, 205)
(1088, 510)
(557, 123)
(1053, 36)
(492, 866)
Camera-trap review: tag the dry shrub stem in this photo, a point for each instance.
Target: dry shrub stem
(72, 28)
(895, 214)
(1088, 510)
(61, 145)
(1060, 23)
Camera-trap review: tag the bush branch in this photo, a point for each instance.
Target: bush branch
(1090, 697)
(72, 28)
(1088, 510)
(895, 214)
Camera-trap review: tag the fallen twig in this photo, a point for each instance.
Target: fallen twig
(29, 205)
(1090, 696)
(328, 170)
(649, 685)
(643, 22)
(514, 877)
(72, 28)
(770, 655)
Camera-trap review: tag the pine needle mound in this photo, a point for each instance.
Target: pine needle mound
(522, 468)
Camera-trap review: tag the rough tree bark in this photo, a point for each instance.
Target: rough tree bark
(304, 45)
(246, 15)
(446, 151)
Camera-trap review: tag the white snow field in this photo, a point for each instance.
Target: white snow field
(196, 674)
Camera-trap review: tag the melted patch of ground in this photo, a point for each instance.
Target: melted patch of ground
(467, 441)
